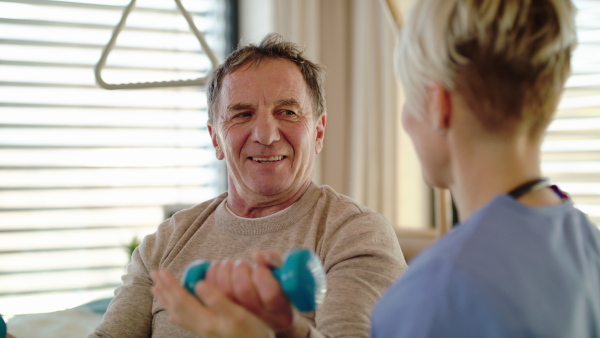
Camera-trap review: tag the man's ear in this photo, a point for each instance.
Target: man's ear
(215, 141)
(442, 104)
(320, 135)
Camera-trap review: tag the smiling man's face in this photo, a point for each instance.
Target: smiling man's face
(266, 130)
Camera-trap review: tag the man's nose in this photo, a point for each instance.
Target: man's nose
(266, 129)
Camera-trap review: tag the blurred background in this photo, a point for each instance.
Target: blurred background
(86, 173)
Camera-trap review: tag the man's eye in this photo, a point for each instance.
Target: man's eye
(246, 114)
(288, 112)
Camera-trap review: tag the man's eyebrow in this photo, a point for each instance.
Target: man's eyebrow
(288, 102)
(244, 106)
(239, 106)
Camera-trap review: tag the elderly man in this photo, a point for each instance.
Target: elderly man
(482, 81)
(267, 121)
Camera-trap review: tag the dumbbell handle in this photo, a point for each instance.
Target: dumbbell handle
(196, 272)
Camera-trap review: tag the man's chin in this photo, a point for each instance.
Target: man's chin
(271, 186)
(269, 189)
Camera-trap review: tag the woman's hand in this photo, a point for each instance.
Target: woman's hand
(213, 316)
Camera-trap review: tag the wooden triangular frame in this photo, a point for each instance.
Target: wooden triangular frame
(138, 85)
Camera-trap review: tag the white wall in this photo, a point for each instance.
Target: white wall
(256, 19)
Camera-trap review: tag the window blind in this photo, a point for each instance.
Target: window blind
(571, 150)
(83, 170)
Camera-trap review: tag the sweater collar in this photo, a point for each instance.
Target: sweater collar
(228, 221)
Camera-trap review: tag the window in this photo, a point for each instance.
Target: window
(83, 170)
(571, 151)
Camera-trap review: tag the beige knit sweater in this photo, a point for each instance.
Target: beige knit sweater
(357, 246)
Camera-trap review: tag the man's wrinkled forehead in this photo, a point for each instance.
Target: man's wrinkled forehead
(235, 107)
(251, 85)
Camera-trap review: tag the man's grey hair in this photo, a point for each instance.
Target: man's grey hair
(271, 47)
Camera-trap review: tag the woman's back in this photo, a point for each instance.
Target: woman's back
(508, 271)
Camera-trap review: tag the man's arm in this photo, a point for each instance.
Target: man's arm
(361, 259)
(129, 314)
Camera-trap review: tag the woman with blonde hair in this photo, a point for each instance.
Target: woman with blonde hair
(482, 80)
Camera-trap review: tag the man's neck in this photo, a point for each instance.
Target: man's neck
(262, 206)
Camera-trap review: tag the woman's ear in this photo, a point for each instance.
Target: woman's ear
(442, 104)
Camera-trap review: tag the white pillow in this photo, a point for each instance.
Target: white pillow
(71, 323)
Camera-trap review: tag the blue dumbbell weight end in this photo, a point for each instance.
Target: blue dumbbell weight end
(2, 328)
(302, 278)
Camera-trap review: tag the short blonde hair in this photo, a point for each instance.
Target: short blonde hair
(508, 59)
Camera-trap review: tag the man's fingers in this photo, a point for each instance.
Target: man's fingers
(232, 315)
(169, 292)
(215, 300)
(183, 308)
(269, 258)
(268, 287)
(224, 278)
(163, 288)
(277, 310)
(213, 272)
(215, 315)
(219, 274)
(243, 288)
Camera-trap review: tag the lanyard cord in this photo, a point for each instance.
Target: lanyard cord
(536, 185)
(528, 187)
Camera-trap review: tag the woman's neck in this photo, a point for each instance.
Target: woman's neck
(485, 169)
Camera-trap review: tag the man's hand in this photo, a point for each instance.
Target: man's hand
(254, 287)
(213, 316)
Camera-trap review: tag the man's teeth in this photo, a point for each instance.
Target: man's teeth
(267, 159)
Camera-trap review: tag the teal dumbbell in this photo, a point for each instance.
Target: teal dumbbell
(2, 328)
(302, 278)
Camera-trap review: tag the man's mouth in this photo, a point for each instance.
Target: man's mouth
(267, 159)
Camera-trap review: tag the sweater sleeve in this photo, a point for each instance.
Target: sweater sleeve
(129, 314)
(362, 259)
